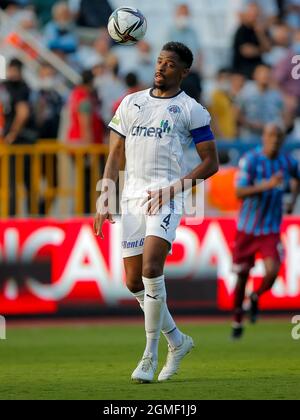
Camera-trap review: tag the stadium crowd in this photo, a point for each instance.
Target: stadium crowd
(255, 86)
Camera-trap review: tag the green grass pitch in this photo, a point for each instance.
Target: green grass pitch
(95, 362)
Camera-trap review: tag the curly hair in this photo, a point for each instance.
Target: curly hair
(183, 52)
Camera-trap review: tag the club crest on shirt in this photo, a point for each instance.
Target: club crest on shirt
(174, 109)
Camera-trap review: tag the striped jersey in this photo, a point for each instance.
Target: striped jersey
(157, 132)
(261, 214)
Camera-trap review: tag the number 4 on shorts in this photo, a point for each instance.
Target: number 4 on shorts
(166, 220)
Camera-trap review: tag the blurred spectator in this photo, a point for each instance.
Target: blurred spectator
(102, 44)
(280, 37)
(259, 104)
(12, 9)
(182, 30)
(222, 108)
(19, 125)
(237, 85)
(133, 85)
(281, 8)
(91, 13)
(101, 48)
(43, 9)
(88, 55)
(27, 21)
(192, 85)
(48, 103)
(60, 33)
(138, 59)
(144, 63)
(86, 126)
(19, 17)
(48, 107)
(109, 86)
(292, 9)
(269, 8)
(19, 3)
(283, 75)
(250, 41)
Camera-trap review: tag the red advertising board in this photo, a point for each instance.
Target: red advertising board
(84, 270)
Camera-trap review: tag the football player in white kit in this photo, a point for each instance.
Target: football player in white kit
(151, 130)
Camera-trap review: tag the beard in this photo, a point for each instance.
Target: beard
(161, 87)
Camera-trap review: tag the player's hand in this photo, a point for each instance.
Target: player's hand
(275, 180)
(10, 138)
(99, 222)
(156, 199)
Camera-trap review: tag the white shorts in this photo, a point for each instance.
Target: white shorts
(136, 226)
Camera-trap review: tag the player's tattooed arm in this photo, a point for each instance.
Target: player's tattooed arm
(114, 164)
(208, 167)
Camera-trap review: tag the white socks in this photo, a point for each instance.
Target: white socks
(172, 334)
(154, 301)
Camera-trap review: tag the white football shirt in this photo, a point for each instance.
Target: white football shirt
(157, 132)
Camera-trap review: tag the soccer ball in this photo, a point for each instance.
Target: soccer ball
(127, 25)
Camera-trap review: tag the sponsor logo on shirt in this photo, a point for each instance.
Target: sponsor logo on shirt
(156, 132)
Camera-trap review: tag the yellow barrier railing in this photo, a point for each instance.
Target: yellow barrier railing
(36, 178)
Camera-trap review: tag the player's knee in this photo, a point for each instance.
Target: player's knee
(272, 273)
(134, 287)
(134, 284)
(151, 270)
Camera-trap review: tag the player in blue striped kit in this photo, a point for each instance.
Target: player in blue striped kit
(266, 173)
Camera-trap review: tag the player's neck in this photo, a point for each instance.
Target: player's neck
(271, 156)
(263, 88)
(161, 93)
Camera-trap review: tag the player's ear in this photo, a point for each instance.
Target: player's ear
(185, 72)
